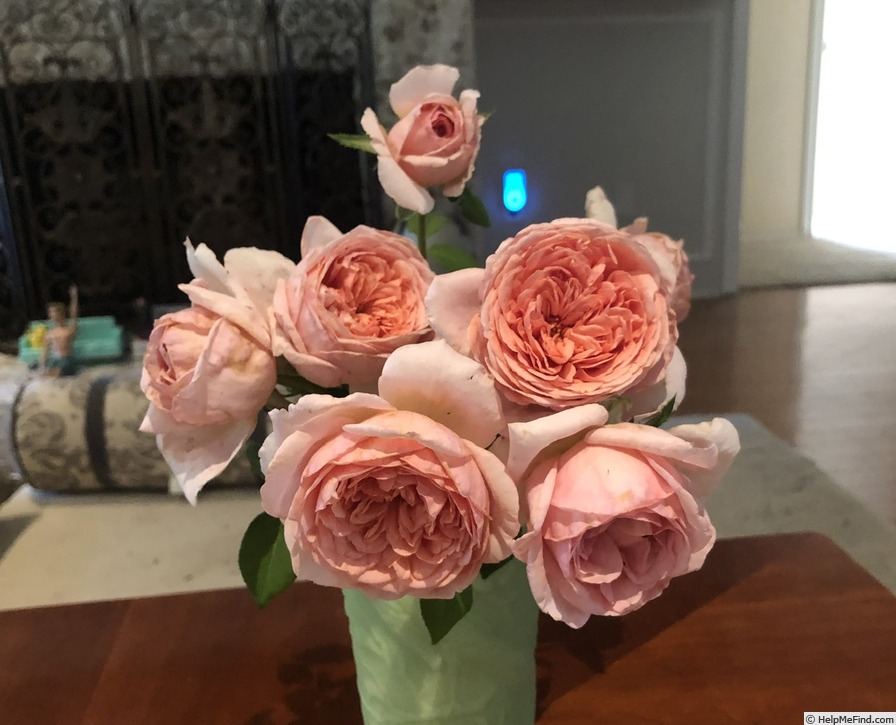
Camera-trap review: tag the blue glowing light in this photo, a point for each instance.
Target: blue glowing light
(515, 196)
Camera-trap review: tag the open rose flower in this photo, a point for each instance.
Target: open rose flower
(435, 141)
(563, 314)
(394, 494)
(208, 370)
(614, 512)
(352, 300)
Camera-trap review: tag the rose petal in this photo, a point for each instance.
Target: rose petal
(531, 440)
(401, 188)
(204, 265)
(304, 566)
(453, 300)
(718, 435)
(312, 368)
(597, 483)
(196, 454)
(505, 504)
(374, 129)
(356, 368)
(418, 83)
(542, 571)
(413, 426)
(646, 403)
(311, 412)
(431, 162)
(240, 312)
(597, 206)
(318, 232)
(473, 125)
(432, 379)
(296, 432)
(700, 453)
(257, 271)
(665, 262)
(639, 226)
(218, 384)
(537, 492)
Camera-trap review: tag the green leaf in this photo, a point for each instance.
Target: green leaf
(617, 408)
(252, 451)
(433, 223)
(472, 208)
(264, 559)
(451, 258)
(358, 141)
(485, 115)
(488, 569)
(663, 415)
(440, 615)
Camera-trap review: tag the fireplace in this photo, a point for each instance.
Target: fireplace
(127, 125)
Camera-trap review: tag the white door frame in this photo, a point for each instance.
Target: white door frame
(813, 78)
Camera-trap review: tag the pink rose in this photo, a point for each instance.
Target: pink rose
(435, 141)
(564, 313)
(394, 494)
(352, 300)
(206, 380)
(614, 512)
(673, 263)
(208, 370)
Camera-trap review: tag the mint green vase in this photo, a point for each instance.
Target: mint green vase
(481, 673)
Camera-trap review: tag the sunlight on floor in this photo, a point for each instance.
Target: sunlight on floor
(855, 154)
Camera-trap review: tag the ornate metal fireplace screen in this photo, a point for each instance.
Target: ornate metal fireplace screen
(130, 124)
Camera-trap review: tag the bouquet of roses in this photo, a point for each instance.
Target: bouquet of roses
(425, 429)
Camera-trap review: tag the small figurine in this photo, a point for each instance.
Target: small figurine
(57, 356)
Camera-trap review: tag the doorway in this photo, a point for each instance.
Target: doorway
(852, 182)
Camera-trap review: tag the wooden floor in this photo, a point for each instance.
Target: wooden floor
(817, 366)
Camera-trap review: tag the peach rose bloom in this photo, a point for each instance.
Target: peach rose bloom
(435, 141)
(188, 346)
(565, 313)
(394, 494)
(616, 512)
(206, 380)
(673, 262)
(352, 300)
(208, 370)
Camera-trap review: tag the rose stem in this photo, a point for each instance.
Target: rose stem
(421, 235)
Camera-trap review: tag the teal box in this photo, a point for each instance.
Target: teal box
(99, 339)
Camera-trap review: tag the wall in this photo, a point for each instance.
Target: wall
(644, 97)
(777, 68)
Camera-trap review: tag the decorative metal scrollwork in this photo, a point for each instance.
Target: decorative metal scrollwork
(129, 124)
(317, 32)
(50, 40)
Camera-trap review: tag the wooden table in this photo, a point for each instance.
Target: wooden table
(769, 628)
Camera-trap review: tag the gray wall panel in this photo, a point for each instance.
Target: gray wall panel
(644, 97)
